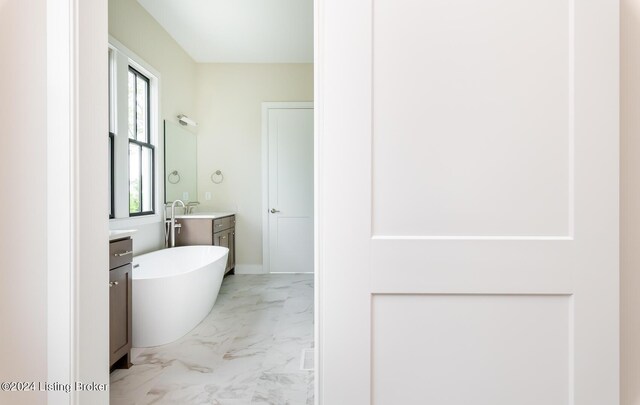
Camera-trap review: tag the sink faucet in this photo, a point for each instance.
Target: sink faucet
(190, 206)
(173, 222)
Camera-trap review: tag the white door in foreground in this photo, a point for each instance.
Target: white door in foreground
(289, 129)
(469, 182)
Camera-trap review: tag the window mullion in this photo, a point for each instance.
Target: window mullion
(141, 189)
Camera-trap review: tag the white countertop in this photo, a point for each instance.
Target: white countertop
(121, 234)
(206, 215)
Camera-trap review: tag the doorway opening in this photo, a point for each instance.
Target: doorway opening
(243, 160)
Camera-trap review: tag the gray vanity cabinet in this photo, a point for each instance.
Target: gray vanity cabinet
(207, 231)
(120, 276)
(226, 237)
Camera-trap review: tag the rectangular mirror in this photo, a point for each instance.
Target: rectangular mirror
(180, 163)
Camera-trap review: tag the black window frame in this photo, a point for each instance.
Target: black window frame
(112, 201)
(143, 145)
(112, 213)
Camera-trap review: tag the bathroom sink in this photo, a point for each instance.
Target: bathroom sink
(206, 215)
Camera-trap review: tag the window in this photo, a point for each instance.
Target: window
(111, 132)
(111, 191)
(141, 150)
(134, 87)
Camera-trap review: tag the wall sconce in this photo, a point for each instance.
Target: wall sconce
(184, 120)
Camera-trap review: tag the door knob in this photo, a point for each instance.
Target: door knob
(273, 210)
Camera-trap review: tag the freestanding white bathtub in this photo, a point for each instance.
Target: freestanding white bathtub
(173, 291)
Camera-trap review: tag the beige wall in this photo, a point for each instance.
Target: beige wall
(630, 202)
(130, 24)
(23, 165)
(226, 100)
(229, 107)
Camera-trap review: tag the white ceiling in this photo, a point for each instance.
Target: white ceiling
(240, 31)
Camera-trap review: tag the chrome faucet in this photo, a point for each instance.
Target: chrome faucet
(190, 206)
(173, 226)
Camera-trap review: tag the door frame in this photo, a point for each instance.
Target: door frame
(77, 41)
(266, 107)
(77, 211)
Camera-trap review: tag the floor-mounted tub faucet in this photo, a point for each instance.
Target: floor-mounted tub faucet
(173, 222)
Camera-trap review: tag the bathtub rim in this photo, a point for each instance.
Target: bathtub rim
(221, 252)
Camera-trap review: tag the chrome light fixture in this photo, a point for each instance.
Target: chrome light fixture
(184, 120)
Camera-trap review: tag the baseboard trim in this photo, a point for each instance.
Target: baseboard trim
(249, 269)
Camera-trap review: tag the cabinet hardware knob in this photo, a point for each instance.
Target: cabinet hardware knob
(223, 237)
(112, 283)
(128, 252)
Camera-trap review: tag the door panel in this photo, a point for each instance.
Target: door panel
(472, 149)
(496, 94)
(231, 261)
(221, 239)
(226, 239)
(452, 349)
(290, 177)
(293, 245)
(119, 310)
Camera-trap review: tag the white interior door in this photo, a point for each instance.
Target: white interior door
(468, 208)
(290, 187)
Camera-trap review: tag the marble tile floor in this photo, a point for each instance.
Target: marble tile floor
(247, 351)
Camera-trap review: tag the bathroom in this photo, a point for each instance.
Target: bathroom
(218, 88)
(476, 199)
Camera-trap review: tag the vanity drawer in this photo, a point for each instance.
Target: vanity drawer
(120, 253)
(224, 223)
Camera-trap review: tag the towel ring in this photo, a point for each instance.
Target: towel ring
(217, 177)
(175, 180)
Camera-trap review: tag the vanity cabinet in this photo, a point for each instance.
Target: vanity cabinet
(220, 231)
(120, 279)
(226, 237)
